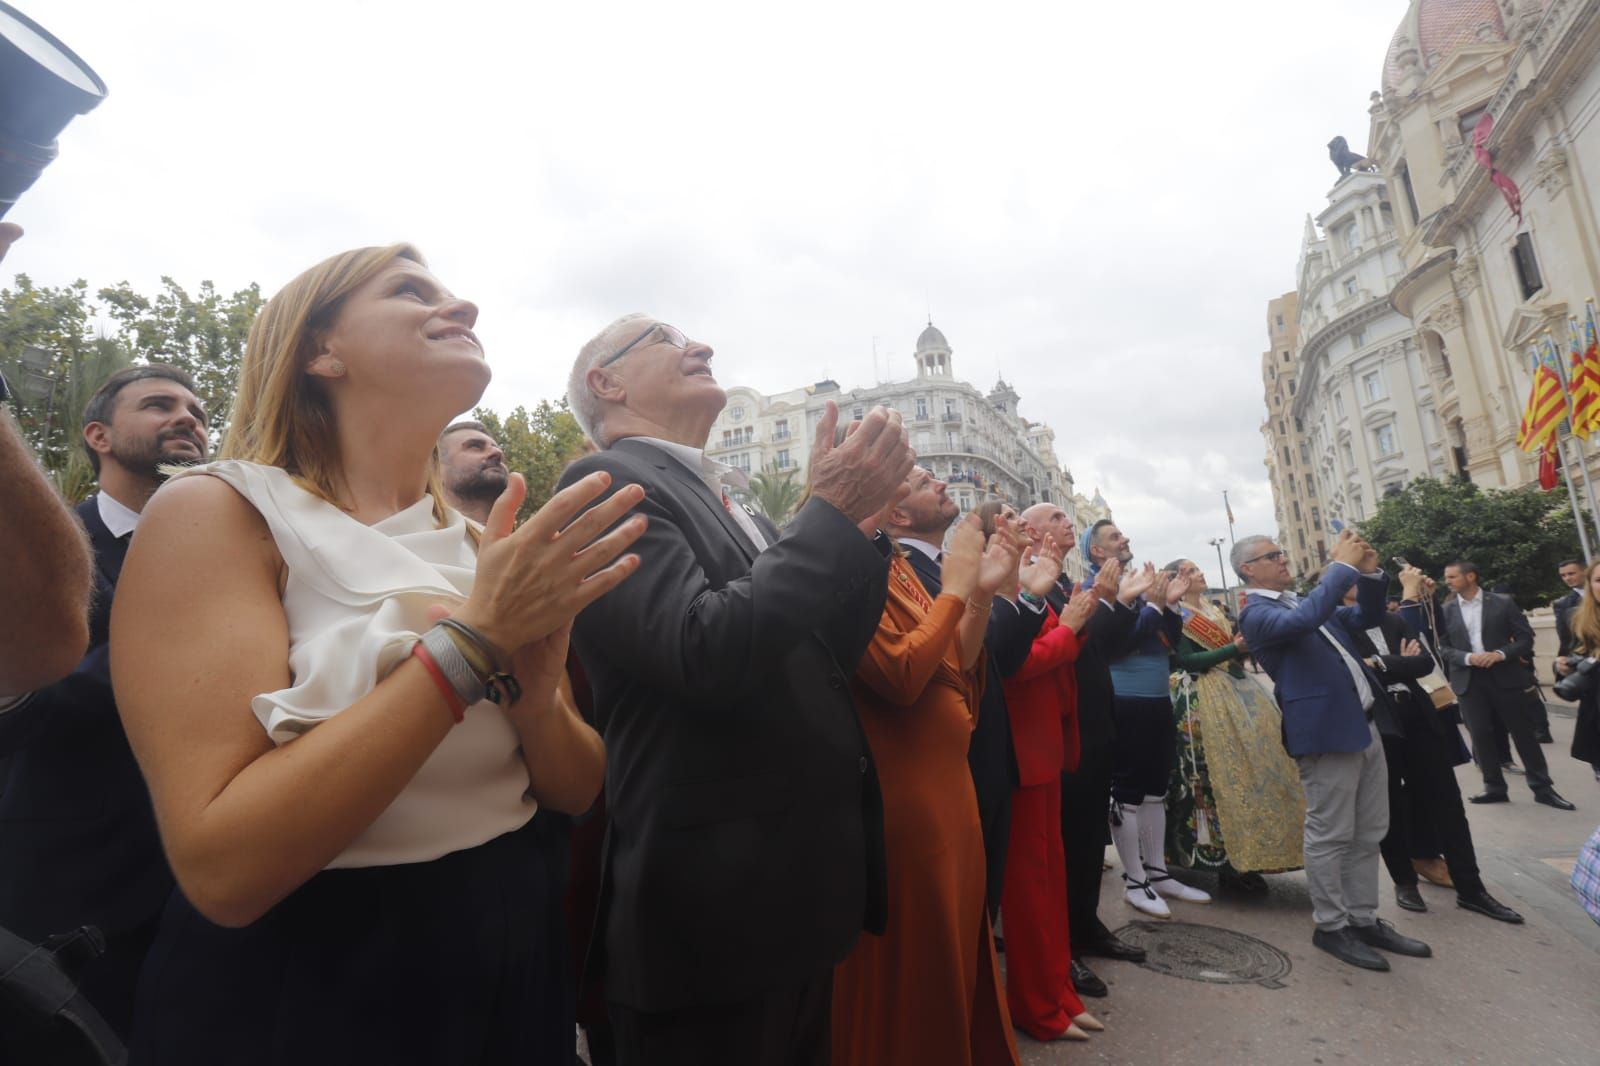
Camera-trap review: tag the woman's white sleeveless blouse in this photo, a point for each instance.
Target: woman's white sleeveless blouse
(356, 600)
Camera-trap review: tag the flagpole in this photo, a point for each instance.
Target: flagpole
(1566, 467)
(1583, 459)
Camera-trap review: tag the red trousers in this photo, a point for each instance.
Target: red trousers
(1034, 903)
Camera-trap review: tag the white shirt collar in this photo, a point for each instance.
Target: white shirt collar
(930, 550)
(1476, 601)
(1270, 594)
(119, 519)
(696, 461)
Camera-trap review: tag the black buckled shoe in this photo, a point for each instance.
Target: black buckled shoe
(1490, 797)
(1380, 934)
(1409, 898)
(1086, 981)
(1484, 903)
(1343, 945)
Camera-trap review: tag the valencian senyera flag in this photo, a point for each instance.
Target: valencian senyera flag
(1546, 407)
(1583, 383)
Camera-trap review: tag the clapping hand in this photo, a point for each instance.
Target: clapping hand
(1157, 596)
(1040, 576)
(1242, 644)
(867, 473)
(1108, 581)
(1177, 585)
(998, 567)
(1078, 609)
(963, 557)
(1137, 583)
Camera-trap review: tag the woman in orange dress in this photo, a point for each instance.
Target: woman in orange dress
(926, 992)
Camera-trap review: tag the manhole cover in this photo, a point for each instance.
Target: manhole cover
(1206, 953)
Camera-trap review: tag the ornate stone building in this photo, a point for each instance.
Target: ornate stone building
(979, 443)
(1479, 284)
(1419, 289)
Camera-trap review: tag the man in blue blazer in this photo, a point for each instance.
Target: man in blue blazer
(1329, 699)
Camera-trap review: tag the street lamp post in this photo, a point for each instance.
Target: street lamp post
(39, 384)
(1216, 542)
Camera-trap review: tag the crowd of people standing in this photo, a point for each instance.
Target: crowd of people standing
(347, 737)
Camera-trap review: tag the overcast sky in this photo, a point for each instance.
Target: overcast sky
(1094, 200)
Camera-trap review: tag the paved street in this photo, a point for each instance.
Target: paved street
(1492, 993)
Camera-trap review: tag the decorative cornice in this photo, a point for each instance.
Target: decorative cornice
(1442, 317)
(1551, 171)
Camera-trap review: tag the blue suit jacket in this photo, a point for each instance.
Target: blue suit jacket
(1321, 710)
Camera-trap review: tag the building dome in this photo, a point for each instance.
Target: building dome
(931, 339)
(1433, 29)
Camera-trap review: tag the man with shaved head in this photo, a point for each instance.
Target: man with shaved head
(1085, 791)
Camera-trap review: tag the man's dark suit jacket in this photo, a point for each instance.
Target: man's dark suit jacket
(1563, 609)
(745, 850)
(1008, 640)
(1394, 668)
(1108, 627)
(1505, 629)
(78, 841)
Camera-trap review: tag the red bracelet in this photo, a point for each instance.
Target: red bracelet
(458, 710)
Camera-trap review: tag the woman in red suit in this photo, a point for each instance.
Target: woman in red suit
(1042, 700)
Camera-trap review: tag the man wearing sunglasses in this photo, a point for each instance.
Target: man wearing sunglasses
(745, 850)
(1329, 699)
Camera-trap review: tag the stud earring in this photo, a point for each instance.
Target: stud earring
(336, 367)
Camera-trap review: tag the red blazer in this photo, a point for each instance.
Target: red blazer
(1042, 701)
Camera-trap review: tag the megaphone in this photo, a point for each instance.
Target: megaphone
(43, 84)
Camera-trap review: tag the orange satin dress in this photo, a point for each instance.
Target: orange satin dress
(926, 993)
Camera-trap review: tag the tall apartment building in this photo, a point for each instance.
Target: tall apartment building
(1289, 466)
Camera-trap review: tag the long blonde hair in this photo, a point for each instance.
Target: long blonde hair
(1586, 619)
(282, 416)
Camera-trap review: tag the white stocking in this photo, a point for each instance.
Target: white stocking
(1126, 839)
(1153, 833)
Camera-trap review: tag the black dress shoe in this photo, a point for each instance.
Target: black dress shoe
(1086, 981)
(1409, 898)
(1112, 946)
(1484, 903)
(1544, 737)
(1551, 798)
(1380, 934)
(1343, 945)
(1490, 797)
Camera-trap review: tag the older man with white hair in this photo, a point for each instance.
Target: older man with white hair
(745, 853)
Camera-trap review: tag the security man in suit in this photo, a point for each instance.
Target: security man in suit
(1571, 571)
(78, 842)
(1483, 641)
(745, 851)
(1419, 746)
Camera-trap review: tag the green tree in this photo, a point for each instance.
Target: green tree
(1516, 536)
(538, 444)
(776, 493)
(54, 360)
(203, 335)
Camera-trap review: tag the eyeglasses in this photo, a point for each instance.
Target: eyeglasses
(669, 334)
(1271, 557)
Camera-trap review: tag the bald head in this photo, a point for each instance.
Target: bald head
(1044, 518)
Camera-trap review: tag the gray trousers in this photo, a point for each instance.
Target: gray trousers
(1347, 816)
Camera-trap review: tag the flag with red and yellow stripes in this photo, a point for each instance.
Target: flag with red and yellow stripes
(1583, 385)
(1547, 406)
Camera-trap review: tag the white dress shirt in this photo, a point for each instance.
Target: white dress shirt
(119, 519)
(1472, 618)
(1358, 675)
(716, 476)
